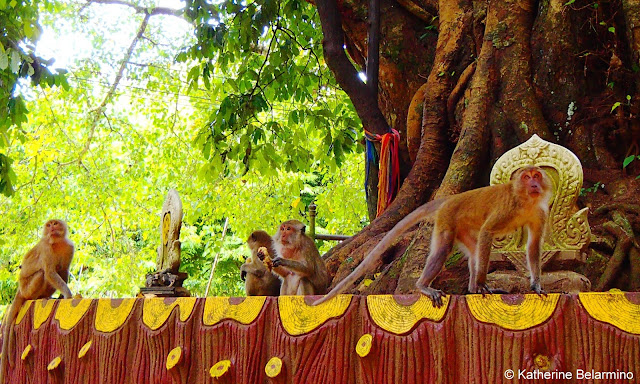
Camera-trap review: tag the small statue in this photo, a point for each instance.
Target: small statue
(167, 281)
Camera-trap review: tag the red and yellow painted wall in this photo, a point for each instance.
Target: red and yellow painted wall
(351, 339)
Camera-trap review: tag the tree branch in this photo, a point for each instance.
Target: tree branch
(146, 10)
(365, 103)
(100, 110)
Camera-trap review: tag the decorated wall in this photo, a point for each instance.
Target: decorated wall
(351, 339)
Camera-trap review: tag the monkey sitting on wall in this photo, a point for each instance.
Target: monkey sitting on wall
(258, 280)
(298, 264)
(44, 269)
(473, 219)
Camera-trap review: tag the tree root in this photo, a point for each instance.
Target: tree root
(626, 248)
(414, 122)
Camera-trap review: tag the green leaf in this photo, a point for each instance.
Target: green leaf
(4, 60)
(15, 61)
(569, 2)
(612, 29)
(628, 161)
(615, 105)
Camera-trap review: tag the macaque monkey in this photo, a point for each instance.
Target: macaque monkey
(472, 219)
(258, 280)
(44, 269)
(298, 264)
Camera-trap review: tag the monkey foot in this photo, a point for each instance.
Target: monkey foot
(435, 295)
(537, 289)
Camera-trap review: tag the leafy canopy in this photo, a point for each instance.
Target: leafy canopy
(152, 136)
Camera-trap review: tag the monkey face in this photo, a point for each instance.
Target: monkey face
(55, 228)
(287, 233)
(532, 181)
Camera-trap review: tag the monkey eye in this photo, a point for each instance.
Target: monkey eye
(536, 175)
(527, 177)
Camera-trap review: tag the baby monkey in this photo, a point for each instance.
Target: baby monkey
(258, 280)
(44, 269)
(298, 264)
(473, 219)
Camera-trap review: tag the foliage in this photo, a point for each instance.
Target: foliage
(111, 193)
(262, 55)
(19, 31)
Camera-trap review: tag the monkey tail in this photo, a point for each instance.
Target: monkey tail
(8, 341)
(421, 213)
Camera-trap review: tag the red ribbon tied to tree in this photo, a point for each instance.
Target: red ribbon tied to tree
(389, 168)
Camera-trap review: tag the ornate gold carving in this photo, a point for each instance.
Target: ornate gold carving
(613, 308)
(396, 318)
(69, 315)
(109, 318)
(533, 310)
(41, 311)
(299, 318)
(568, 229)
(155, 312)
(217, 309)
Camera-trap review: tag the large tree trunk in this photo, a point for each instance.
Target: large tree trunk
(465, 81)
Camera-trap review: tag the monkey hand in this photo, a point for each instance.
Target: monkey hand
(243, 275)
(435, 295)
(262, 253)
(277, 262)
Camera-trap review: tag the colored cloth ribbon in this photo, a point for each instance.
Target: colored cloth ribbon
(389, 167)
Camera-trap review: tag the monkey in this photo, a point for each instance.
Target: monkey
(472, 219)
(258, 280)
(298, 262)
(44, 269)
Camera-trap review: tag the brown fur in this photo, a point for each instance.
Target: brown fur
(472, 219)
(44, 269)
(258, 281)
(298, 264)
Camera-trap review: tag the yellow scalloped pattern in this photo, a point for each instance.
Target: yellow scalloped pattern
(110, 318)
(217, 309)
(299, 318)
(155, 312)
(69, 315)
(41, 311)
(396, 318)
(532, 311)
(23, 311)
(612, 308)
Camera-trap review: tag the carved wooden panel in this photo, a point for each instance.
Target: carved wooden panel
(351, 339)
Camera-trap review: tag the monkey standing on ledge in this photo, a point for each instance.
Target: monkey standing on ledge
(44, 269)
(258, 281)
(298, 264)
(472, 219)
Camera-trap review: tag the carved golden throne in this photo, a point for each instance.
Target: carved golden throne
(567, 234)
